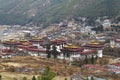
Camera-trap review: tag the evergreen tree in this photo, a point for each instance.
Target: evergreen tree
(80, 63)
(86, 60)
(87, 78)
(64, 54)
(33, 78)
(38, 78)
(54, 48)
(24, 78)
(54, 51)
(48, 75)
(48, 50)
(0, 77)
(65, 79)
(48, 54)
(92, 59)
(96, 57)
(67, 53)
(47, 71)
(92, 78)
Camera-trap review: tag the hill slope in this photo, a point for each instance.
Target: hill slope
(50, 11)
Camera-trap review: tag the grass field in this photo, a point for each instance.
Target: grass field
(16, 67)
(11, 76)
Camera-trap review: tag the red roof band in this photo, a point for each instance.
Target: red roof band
(58, 42)
(6, 52)
(88, 52)
(31, 48)
(93, 46)
(11, 43)
(117, 40)
(35, 40)
(36, 50)
(93, 66)
(73, 49)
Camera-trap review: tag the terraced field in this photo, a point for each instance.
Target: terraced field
(19, 67)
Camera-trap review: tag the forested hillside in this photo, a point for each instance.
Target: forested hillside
(52, 11)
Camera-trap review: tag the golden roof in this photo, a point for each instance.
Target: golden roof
(11, 40)
(70, 46)
(36, 38)
(93, 42)
(26, 43)
(23, 40)
(60, 38)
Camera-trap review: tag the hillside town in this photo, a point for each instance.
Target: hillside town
(74, 49)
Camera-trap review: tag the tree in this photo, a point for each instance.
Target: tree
(87, 78)
(54, 48)
(0, 77)
(64, 54)
(92, 78)
(65, 79)
(54, 51)
(47, 75)
(96, 57)
(24, 78)
(33, 78)
(67, 53)
(38, 78)
(48, 50)
(47, 70)
(86, 60)
(80, 63)
(92, 59)
(48, 54)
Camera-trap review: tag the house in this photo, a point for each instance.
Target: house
(115, 42)
(37, 52)
(114, 68)
(93, 67)
(72, 52)
(96, 46)
(43, 34)
(6, 53)
(88, 52)
(36, 41)
(106, 24)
